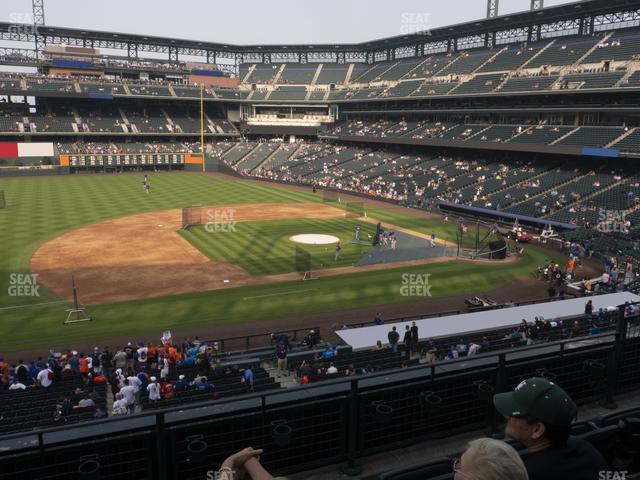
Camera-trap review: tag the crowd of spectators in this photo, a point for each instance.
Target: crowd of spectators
(132, 371)
(71, 368)
(111, 148)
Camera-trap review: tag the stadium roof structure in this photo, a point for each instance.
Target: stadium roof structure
(576, 18)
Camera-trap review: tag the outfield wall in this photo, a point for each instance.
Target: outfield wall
(26, 150)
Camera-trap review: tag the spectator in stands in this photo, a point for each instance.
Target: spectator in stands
(281, 338)
(489, 459)
(430, 351)
(281, 356)
(129, 395)
(588, 310)
(45, 377)
(63, 408)
(22, 372)
(17, 385)
(310, 340)
(120, 359)
(205, 385)
(330, 352)
(523, 329)
(407, 340)
(85, 402)
(136, 383)
(181, 385)
(332, 370)
(129, 351)
(119, 406)
(144, 380)
(474, 348)
(154, 390)
(393, 337)
(168, 390)
(142, 353)
(539, 415)
(74, 362)
(83, 363)
(96, 365)
(164, 364)
(247, 379)
(350, 371)
(453, 353)
(575, 330)
(595, 329)
(4, 371)
(414, 337)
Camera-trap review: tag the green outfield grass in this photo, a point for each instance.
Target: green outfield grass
(264, 248)
(43, 208)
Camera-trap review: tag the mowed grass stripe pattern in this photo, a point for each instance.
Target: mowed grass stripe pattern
(264, 248)
(43, 208)
(142, 319)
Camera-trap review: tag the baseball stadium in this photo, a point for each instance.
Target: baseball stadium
(411, 255)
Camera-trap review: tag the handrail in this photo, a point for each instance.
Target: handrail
(247, 338)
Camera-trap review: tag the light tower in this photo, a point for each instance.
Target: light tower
(492, 8)
(38, 21)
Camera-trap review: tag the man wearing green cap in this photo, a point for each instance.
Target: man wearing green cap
(539, 415)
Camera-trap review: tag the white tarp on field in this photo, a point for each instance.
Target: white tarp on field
(366, 337)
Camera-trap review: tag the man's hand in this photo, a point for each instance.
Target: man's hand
(237, 460)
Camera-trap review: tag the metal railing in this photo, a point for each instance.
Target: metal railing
(244, 343)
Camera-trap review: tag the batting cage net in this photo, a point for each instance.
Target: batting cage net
(191, 216)
(480, 239)
(329, 196)
(302, 260)
(355, 209)
(3, 204)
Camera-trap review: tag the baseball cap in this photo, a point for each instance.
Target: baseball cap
(540, 399)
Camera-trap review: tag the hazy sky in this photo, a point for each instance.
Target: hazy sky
(260, 21)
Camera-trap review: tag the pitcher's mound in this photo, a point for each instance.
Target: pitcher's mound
(314, 239)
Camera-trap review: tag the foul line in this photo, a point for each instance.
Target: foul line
(33, 305)
(281, 293)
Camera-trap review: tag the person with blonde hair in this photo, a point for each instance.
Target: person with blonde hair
(489, 459)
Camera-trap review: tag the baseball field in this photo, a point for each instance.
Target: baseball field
(139, 274)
